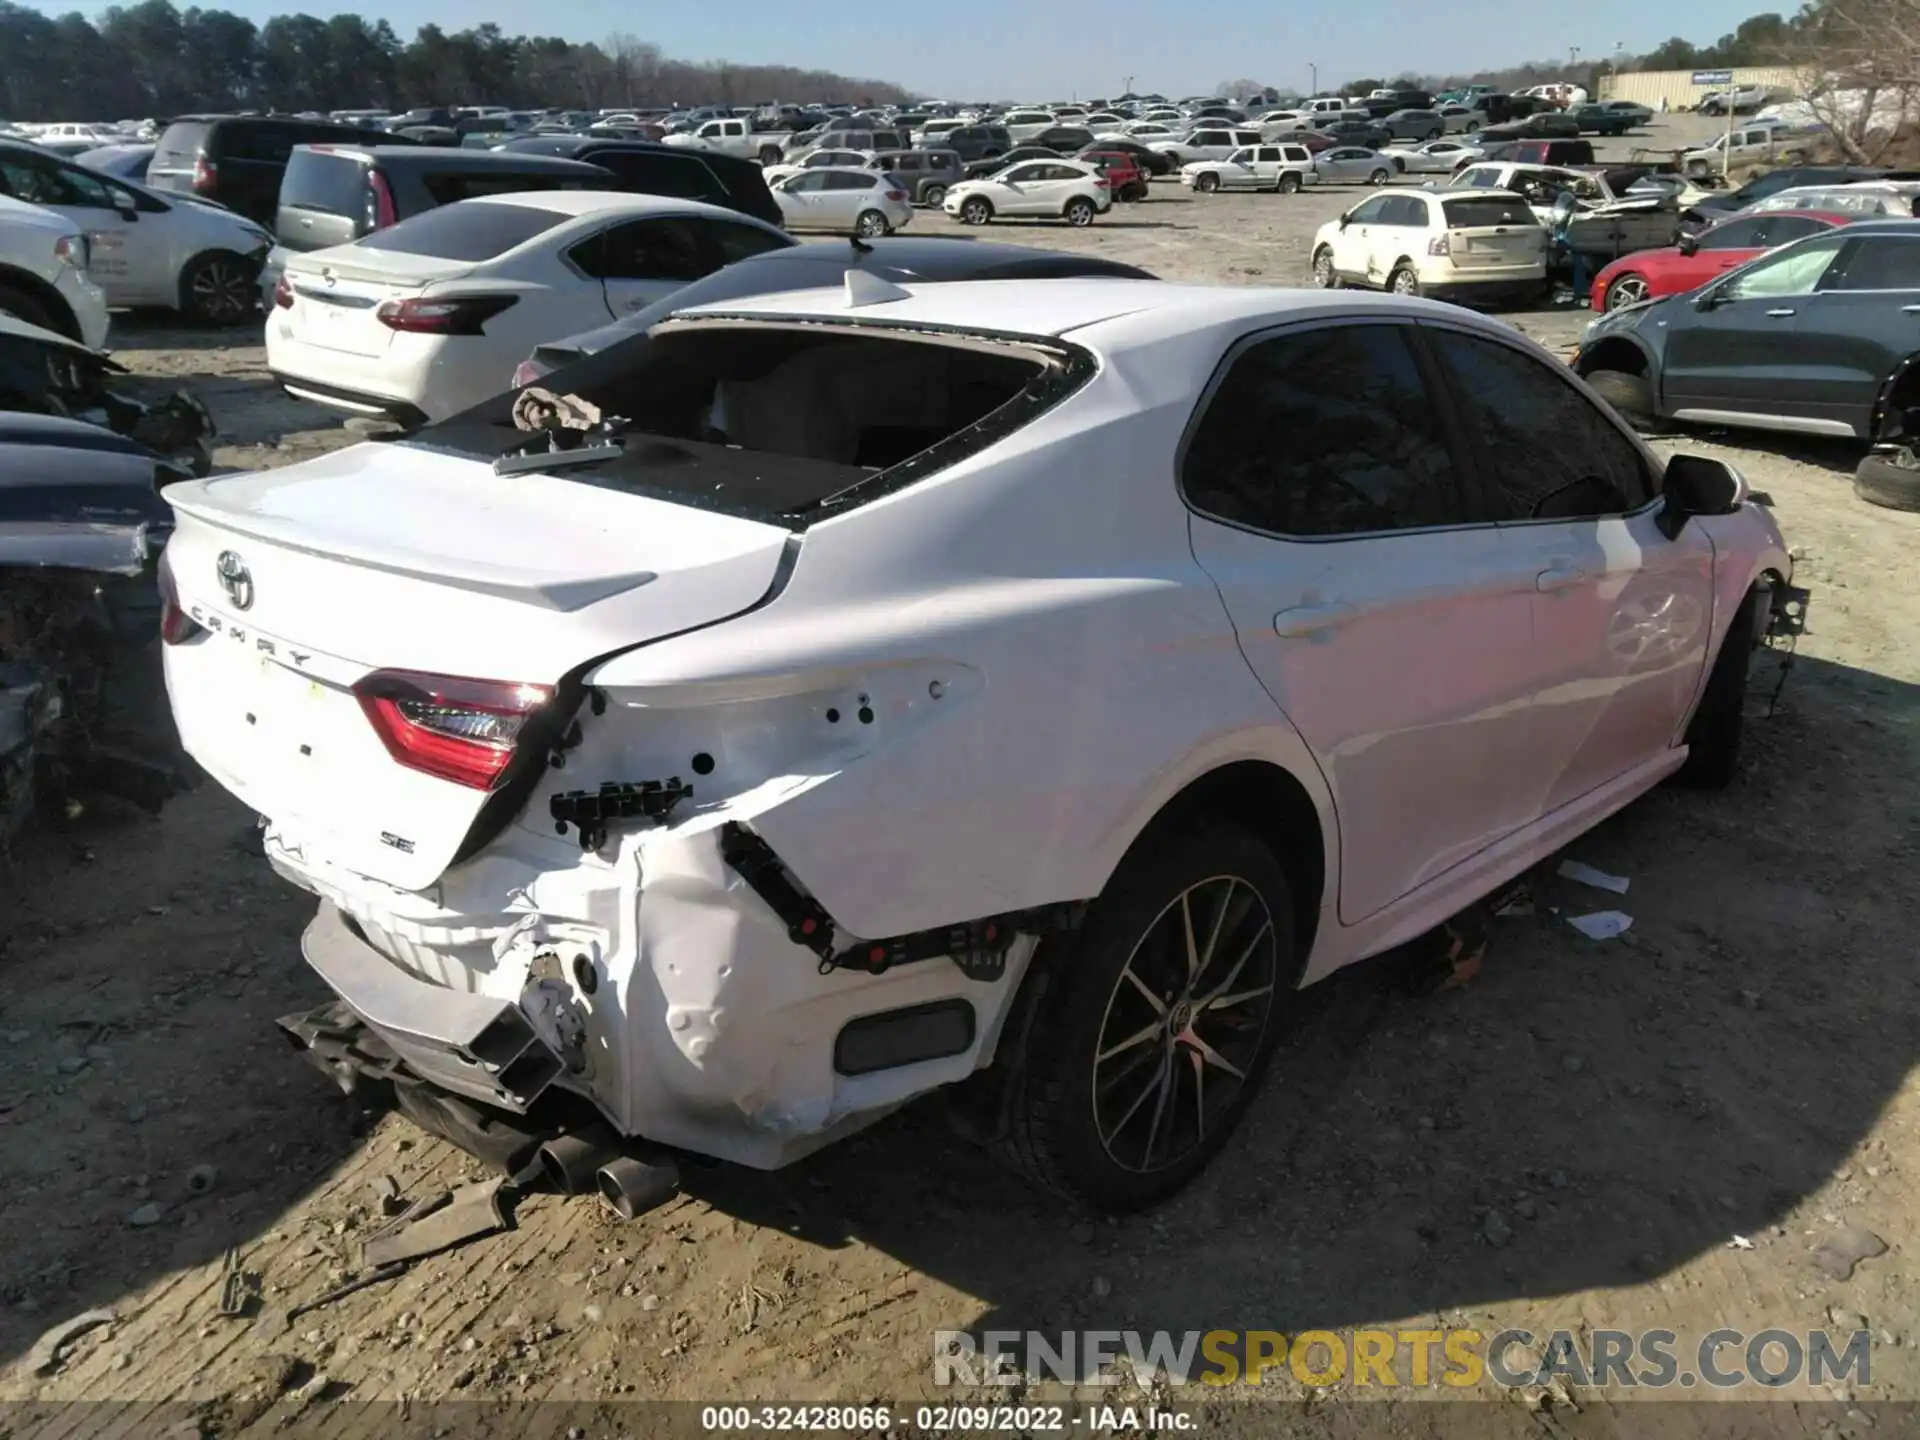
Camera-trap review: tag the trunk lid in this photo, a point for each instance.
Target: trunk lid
(337, 294)
(387, 557)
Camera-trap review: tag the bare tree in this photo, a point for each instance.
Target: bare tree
(1860, 67)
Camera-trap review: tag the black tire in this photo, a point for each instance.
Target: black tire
(29, 309)
(771, 155)
(1628, 289)
(1079, 212)
(1630, 395)
(934, 195)
(1713, 735)
(1379, 177)
(976, 210)
(1056, 1136)
(1324, 275)
(1472, 127)
(1206, 182)
(1882, 480)
(219, 288)
(1404, 280)
(870, 225)
(1288, 184)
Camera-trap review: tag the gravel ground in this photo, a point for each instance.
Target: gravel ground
(1574, 1140)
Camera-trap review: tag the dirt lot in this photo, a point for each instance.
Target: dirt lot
(1574, 1140)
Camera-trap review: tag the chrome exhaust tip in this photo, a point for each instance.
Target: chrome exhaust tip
(632, 1187)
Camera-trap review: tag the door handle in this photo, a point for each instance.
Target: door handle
(1910, 309)
(1561, 577)
(1306, 619)
(1778, 314)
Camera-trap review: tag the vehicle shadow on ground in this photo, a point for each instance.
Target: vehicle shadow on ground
(167, 330)
(1583, 1115)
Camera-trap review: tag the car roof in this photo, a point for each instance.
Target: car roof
(1114, 314)
(434, 157)
(582, 203)
(1884, 225)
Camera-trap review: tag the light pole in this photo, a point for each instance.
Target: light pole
(1313, 79)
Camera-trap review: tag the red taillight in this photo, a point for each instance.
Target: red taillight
(456, 315)
(283, 294)
(176, 626)
(460, 730)
(205, 172)
(1101, 182)
(382, 211)
(896, 194)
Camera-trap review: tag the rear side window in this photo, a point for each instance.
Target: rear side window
(476, 230)
(1379, 458)
(261, 143)
(741, 242)
(1548, 449)
(326, 183)
(1488, 211)
(1883, 262)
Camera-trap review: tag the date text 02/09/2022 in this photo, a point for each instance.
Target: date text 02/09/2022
(942, 1419)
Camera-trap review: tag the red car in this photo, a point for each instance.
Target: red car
(1124, 175)
(1650, 274)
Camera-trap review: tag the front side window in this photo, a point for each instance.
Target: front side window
(804, 184)
(1549, 451)
(735, 241)
(1777, 277)
(1735, 235)
(1370, 212)
(1025, 173)
(45, 182)
(1378, 458)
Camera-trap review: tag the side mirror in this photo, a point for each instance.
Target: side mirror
(1697, 485)
(1688, 244)
(1709, 299)
(1346, 219)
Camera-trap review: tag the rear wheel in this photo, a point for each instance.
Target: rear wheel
(1631, 395)
(976, 210)
(26, 308)
(1628, 289)
(1404, 281)
(1323, 271)
(219, 289)
(1380, 177)
(1206, 182)
(1079, 212)
(1288, 184)
(1155, 1036)
(934, 195)
(870, 225)
(770, 155)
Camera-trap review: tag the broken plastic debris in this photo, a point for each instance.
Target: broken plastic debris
(537, 409)
(1739, 1242)
(1602, 924)
(1587, 875)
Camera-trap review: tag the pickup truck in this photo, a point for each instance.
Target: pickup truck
(734, 137)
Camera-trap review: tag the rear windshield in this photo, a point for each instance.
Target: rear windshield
(447, 186)
(327, 183)
(1487, 210)
(181, 142)
(702, 411)
(472, 230)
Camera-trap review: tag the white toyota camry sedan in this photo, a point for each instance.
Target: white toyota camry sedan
(421, 319)
(1021, 686)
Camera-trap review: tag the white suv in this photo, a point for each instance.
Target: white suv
(1454, 244)
(43, 274)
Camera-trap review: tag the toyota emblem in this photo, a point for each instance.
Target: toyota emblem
(235, 579)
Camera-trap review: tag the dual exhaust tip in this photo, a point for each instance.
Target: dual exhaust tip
(593, 1161)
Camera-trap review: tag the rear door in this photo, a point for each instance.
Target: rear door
(640, 261)
(1732, 351)
(1379, 611)
(251, 157)
(176, 153)
(1858, 328)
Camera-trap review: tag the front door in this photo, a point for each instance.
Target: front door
(1621, 615)
(1385, 622)
(122, 261)
(1353, 242)
(1732, 352)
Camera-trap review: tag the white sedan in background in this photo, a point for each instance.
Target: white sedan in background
(177, 252)
(420, 320)
(1435, 157)
(1068, 190)
(842, 198)
(818, 160)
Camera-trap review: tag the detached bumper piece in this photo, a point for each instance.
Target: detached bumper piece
(978, 947)
(591, 812)
(472, 1045)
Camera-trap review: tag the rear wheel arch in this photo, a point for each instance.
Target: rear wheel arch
(1900, 391)
(37, 292)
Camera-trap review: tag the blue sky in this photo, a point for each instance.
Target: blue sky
(1019, 49)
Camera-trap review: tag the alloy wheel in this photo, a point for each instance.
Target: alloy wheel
(1184, 1026)
(220, 292)
(1627, 290)
(1323, 269)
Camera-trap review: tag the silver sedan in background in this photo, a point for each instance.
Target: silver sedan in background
(1354, 165)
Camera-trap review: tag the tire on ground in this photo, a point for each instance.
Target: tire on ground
(1880, 481)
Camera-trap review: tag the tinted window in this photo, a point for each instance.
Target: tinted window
(1883, 262)
(330, 184)
(645, 250)
(1797, 272)
(1406, 210)
(681, 177)
(180, 143)
(1735, 235)
(1487, 210)
(1550, 453)
(1379, 458)
(845, 180)
(738, 242)
(476, 230)
(265, 144)
(448, 186)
